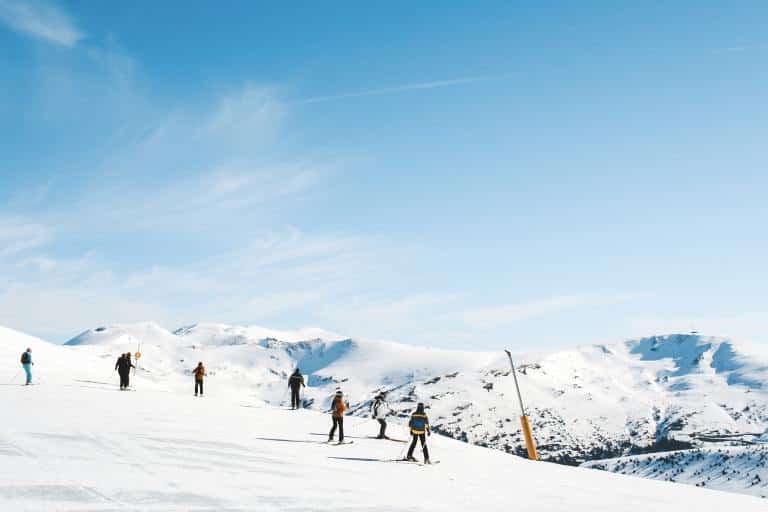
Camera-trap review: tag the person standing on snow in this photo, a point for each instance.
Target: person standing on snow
(338, 407)
(199, 373)
(379, 412)
(419, 425)
(123, 367)
(296, 382)
(26, 363)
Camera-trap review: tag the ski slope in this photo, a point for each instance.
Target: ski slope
(587, 403)
(71, 443)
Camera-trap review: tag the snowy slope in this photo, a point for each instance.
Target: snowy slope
(71, 445)
(588, 403)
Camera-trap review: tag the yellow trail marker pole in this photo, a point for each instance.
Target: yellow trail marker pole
(137, 356)
(530, 444)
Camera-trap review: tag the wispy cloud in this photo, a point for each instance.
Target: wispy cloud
(394, 89)
(499, 316)
(270, 277)
(41, 20)
(17, 236)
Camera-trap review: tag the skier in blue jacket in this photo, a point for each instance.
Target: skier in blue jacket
(26, 362)
(419, 425)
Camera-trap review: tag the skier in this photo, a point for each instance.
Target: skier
(26, 362)
(199, 373)
(379, 411)
(419, 425)
(338, 407)
(119, 370)
(123, 367)
(296, 382)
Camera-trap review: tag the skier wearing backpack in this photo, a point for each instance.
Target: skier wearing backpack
(419, 425)
(199, 373)
(296, 382)
(379, 412)
(26, 363)
(338, 407)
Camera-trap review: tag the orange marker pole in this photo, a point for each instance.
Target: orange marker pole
(530, 443)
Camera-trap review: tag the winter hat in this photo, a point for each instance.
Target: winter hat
(29, 349)
(338, 392)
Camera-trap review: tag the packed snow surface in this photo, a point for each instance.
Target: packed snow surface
(159, 448)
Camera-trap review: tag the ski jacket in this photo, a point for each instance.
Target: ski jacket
(419, 424)
(26, 358)
(199, 372)
(339, 407)
(296, 381)
(379, 409)
(124, 365)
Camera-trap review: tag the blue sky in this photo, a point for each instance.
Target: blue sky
(470, 176)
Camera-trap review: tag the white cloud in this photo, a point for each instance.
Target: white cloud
(282, 273)
(248, 114)
(18, 236)
(499, 316)
(394, 89)
(42, 20)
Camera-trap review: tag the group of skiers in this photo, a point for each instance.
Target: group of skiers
(123, 367)
(380, 409)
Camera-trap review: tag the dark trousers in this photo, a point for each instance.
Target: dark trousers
(423, 439)
(295, 399)
(198, 386)
(124, 380)
(382, 427)
(340, 423)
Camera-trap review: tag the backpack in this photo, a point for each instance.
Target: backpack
(25, 358)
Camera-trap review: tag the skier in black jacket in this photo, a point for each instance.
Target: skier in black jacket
(419, 425)
(123, 367)
(296, 382)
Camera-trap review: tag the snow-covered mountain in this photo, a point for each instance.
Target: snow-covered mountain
(75, 443)
(733, 468)
(586, 404)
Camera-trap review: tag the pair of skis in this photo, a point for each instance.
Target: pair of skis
(387, 439)
(415, 462)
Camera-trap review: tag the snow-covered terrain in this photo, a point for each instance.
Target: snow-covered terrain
(587, 403)
(737, 469)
